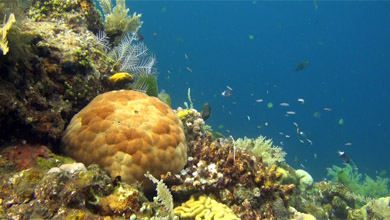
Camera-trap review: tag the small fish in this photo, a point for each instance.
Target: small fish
(206, 111)
(228, 92)
(169, 72)
(328, 109)
(301, 66)
(348, 144)
(315, 156)
(290, 113)
(249, 118)
(301, 101)
(303, 166)
(189, 69)
(281, 133)
(266, 123)
(259, 100)
(296, 125)
(138, 36)
(287, 136)
(300, 140)
(185, 55)
(284, 104)
(310, 142)
(344, 156)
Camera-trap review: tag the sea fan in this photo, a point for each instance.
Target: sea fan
(103, 40)
(133, 57)
(163, 194)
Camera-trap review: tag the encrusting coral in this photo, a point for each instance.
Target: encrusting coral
(204, 208)
(127, 133)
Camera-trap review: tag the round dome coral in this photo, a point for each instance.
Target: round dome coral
(127, 133)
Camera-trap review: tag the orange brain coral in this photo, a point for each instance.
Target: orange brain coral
(127, 133)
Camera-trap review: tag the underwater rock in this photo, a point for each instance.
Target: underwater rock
(24, 156)
(52, 70)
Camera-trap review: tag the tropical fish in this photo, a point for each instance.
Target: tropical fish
(139, 36)
(228, 92)
(344, 157)
(302, 66)
(206, 111)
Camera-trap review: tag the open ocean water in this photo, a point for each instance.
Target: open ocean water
(254, 47)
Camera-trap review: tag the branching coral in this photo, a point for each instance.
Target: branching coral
(262, 147)
(117, 21)
(3, 33)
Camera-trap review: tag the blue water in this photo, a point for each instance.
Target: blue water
(346, 43)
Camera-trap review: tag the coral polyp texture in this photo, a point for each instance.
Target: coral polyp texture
(127, 133)
(204, 208)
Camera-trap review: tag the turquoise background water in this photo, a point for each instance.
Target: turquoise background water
(254, 47)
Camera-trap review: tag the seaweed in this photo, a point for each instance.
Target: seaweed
(352, 179)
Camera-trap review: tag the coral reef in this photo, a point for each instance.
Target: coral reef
(52, 70)
(378, 208)
(233, 176)
(35, 193)
(325, 200)
(262, 147)
(204, 208)
(127, 133)
(193, 123)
